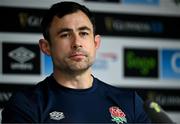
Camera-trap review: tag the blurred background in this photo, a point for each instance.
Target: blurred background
(140, 47)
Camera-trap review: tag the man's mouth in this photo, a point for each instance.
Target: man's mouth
(77, 56)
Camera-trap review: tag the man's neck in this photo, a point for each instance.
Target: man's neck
(79, 81)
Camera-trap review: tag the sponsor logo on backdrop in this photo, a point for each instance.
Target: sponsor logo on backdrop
(21, 55)
(140, 62)
(7, 89)
(168, 99)
(170, 63)
(104, 59)
(137, 25)
(48, 66)
(111, 24)
(117, 1)
(4, 96)
(177, 2)
(19, 58)
(27, 20)
(119, 25)
(24, 19)
(144, 2)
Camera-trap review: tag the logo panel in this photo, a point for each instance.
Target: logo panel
(48, 66)
(19, 58)
(104, 59)
(168, 99)
(170, 64)
(139, 62)
(144, 2)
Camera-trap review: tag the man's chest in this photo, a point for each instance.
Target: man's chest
(84, 110)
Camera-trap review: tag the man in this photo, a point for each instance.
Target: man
(71, 94)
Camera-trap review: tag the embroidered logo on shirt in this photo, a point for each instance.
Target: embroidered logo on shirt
(56, 115)
(117, 115)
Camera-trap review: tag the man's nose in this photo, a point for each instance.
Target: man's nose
(76, 43)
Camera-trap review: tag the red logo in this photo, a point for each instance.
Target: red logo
(117, 115)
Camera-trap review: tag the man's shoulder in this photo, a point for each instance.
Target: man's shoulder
(114, 89)
(30, 94)
(41, 86)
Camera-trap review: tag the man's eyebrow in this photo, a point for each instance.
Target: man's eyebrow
(69, 30)
(64, 30)
(84, 28)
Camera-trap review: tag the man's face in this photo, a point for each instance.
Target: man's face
(73, 45)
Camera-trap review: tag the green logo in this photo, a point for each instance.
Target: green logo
(143, 64)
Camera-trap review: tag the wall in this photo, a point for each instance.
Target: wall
(149, 29)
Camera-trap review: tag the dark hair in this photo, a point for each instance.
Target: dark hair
(61, 9)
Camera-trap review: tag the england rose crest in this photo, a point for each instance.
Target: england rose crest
(117, 115)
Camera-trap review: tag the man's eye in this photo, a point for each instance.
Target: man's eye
(84, 33)
(65, 35)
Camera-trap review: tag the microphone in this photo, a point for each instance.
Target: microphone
(156, 113)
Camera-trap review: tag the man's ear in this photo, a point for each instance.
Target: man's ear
(97, 41)
(45, 46)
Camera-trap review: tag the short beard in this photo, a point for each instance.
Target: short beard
(72, 69)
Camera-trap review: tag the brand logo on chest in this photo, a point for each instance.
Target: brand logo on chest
(117, 115)
(55, 115)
